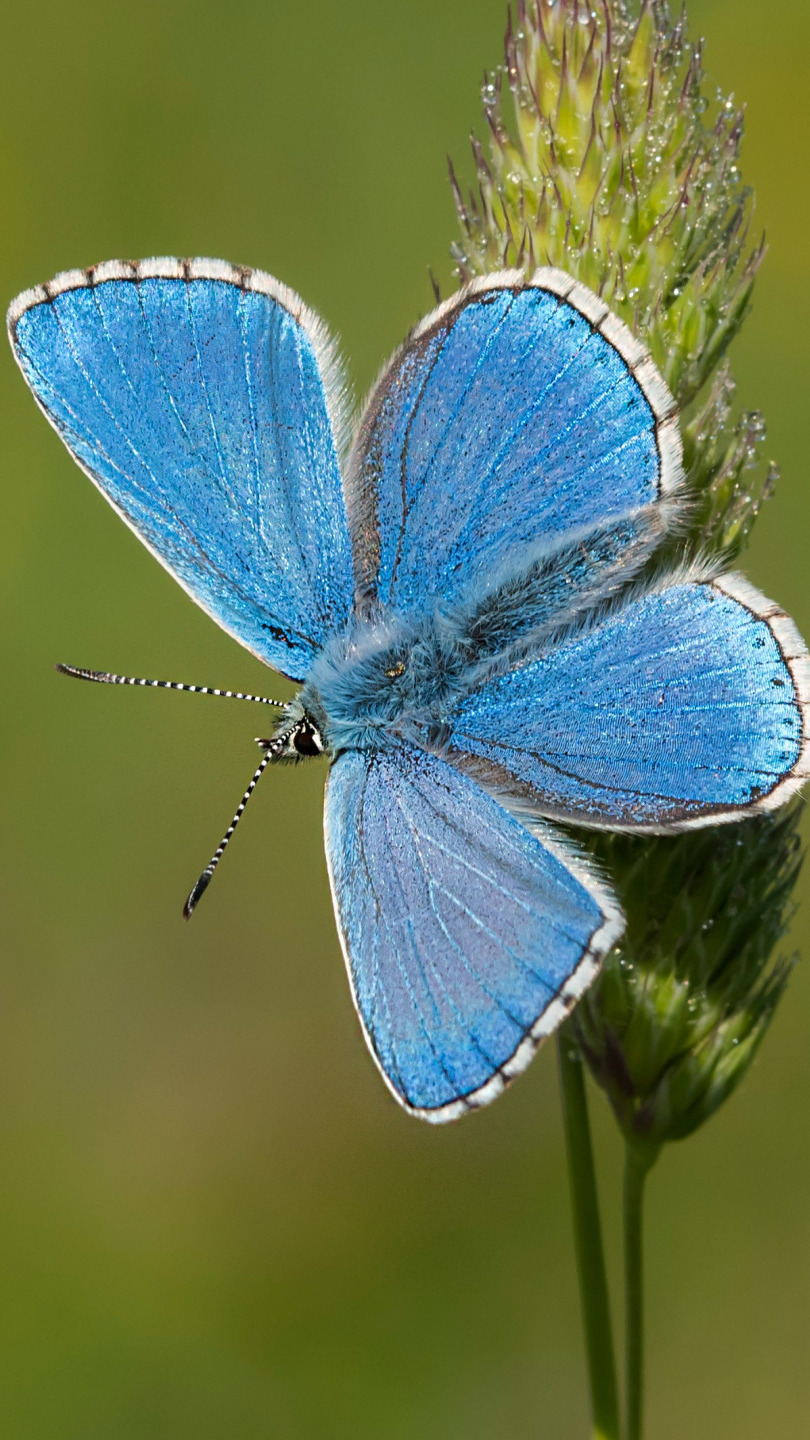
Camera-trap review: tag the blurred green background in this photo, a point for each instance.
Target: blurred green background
(213, 1219)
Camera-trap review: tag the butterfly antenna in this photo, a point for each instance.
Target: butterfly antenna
(271, 749)
(104, 677)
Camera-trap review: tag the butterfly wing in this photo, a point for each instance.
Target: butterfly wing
(466, 937)
(204, 402)
(516, 412)
(685, 706)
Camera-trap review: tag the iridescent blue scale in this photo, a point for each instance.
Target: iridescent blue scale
(462, 598)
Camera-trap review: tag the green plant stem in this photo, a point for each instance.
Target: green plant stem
(588, 1242)
(638, 1160)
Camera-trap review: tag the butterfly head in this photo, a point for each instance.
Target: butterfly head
(296, 739)
(297, 736)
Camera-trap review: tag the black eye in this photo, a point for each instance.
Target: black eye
(306, 740)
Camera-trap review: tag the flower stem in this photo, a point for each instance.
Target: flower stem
(638, 1161)
(588, 1242)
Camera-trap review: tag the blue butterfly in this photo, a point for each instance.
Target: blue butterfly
(463, 591)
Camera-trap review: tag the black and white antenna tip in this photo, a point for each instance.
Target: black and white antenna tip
(198, 891)
(79, 673)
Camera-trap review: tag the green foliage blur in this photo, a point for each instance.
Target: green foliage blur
(213, 1219)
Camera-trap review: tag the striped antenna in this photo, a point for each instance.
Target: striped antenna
(104, 677)
(271, 749)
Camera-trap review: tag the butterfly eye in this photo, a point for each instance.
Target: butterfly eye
(306, 740)
(396, 670)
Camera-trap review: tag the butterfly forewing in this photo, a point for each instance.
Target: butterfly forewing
(466, 938)
(193, 395)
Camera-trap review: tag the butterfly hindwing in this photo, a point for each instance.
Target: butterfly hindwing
(517, 412)
(686, 706)
(466, 938)
(555, 589)
(202, 401)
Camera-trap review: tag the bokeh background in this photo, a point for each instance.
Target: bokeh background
(213, 1219)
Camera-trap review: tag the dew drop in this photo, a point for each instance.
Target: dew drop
(489, 95)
